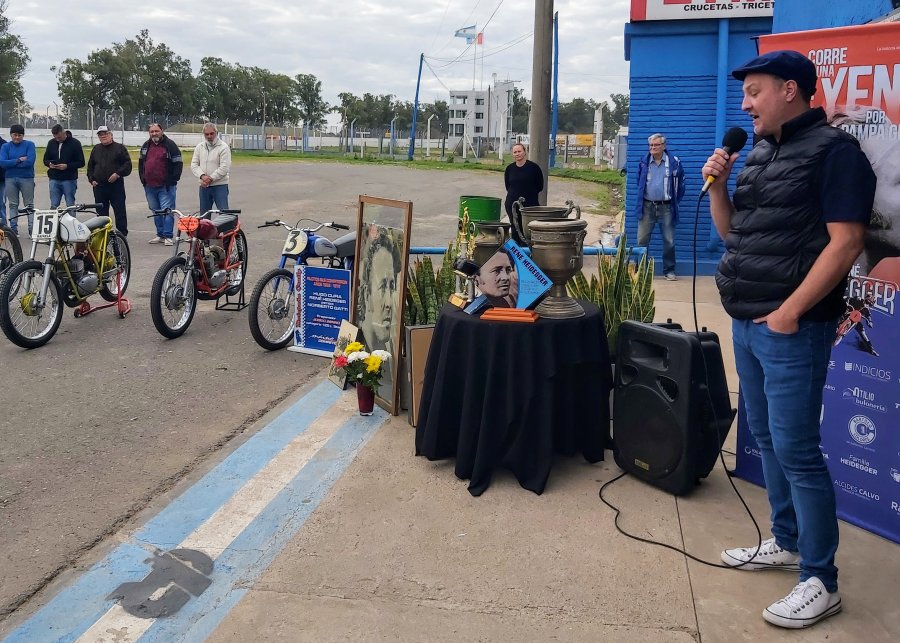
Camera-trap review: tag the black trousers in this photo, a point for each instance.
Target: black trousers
(112, 195)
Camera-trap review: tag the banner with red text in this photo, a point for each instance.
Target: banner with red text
(688, 10)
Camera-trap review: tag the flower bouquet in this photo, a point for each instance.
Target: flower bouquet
(365, 370)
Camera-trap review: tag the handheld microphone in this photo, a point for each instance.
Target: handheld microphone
(733, 142)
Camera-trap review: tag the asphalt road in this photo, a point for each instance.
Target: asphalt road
(109, 414)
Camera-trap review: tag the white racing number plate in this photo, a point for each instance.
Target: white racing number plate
(296, 242)
(46, 223)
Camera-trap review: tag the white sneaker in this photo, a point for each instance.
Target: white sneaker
(770, 556)
(670, 276)
(168, 242)
(156, 240)
(807, 604)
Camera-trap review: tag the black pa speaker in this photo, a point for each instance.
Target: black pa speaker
(671, 409)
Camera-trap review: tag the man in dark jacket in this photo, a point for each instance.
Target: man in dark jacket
(107, 168)
(63, 157)
(2, 190)
(792, 232)
(159, 167)
(660, 186)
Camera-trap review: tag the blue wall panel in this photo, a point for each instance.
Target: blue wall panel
(797, 16)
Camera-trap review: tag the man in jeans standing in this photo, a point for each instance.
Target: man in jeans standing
(2, 189)
(159, 167)
(211, 164)
(107, 168)
(63, 157)
(17, 158)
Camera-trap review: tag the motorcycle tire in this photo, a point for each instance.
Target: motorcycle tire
(117, 246)
(12, 302)
(166, 296)
(240, 248)
(276, 301)
(10, 249)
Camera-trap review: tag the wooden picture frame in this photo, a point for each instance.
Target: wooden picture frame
(346, 334)
(418, 343)
(379, 285)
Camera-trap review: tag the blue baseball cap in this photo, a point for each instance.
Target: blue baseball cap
(786, 64)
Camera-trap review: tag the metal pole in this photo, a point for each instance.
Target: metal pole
(391, 145)
(428, 137)
(415, 114)
(539, 119)
(122, 113)
(352, 134)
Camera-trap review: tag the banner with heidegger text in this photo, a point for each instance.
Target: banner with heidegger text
(859, 88)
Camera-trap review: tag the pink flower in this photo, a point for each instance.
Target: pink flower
(340, 361)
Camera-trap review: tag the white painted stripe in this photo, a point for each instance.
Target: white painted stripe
(213, 536)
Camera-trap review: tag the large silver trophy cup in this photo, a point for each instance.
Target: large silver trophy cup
(556, 247)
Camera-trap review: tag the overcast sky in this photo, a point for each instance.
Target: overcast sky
(355, 46)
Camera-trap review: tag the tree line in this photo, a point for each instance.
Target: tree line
(143, 76)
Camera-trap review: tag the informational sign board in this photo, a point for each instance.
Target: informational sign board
(323, 302)
(859, 88)
(688, 10)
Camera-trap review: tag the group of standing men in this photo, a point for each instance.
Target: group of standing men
(160, 165)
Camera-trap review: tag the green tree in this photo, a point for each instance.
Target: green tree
(521, 109)
(441, 110)
(13, 59)
(576, 117)
(311, 107)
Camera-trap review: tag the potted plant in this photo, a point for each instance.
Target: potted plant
(365, 370)
(624, 290)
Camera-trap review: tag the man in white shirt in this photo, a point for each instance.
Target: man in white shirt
(211, 165)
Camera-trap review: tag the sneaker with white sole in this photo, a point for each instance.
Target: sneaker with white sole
(670, 276)
(156, 240)
(769, 556)
(807, 604)
(168, 242)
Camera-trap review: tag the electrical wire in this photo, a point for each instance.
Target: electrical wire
(440, 25)
(433, 73)
(488, 54)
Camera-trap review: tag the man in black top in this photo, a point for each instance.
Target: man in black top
(107, 168)
(63, 157)
(792, 231)
(3, 221)
(523, 178)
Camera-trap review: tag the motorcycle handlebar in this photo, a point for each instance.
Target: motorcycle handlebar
(340, 226)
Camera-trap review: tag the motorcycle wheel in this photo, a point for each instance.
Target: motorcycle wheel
(273, 308)
(10, 249)
(22, 323)
(117, 246)
(171, 306)
(238, 252)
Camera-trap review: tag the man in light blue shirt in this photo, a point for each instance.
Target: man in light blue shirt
(17, 159)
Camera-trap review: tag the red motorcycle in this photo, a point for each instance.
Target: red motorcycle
(850, 320)
(214, 265)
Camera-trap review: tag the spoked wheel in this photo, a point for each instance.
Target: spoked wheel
(10, 249)
(173, 298)
(273, 308)
(238, 253)
(114, 281)
(27, 321)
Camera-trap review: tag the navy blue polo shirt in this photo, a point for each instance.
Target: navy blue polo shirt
(846, 185)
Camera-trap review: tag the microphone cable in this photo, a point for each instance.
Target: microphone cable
(729, 473)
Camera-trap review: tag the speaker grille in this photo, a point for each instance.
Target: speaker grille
(646, 432)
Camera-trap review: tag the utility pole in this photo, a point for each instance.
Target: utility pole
(539, 120)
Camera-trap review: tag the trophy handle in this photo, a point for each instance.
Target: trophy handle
(502, 232)
(517, 215)
(572, 206)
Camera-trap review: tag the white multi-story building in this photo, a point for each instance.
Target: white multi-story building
(480, 117)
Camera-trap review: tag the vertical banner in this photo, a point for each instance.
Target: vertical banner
(859, 88)
(323, 302)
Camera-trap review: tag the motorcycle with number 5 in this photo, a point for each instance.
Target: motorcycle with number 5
(83, 258)
(273, 304)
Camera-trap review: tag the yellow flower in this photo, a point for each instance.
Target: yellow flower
(373, 363)
(352, 347)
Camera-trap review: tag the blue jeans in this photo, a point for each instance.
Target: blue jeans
(217, 194)
(60, 189)
(782, 377)
(661, 212)
(14, 187)
(159, 199)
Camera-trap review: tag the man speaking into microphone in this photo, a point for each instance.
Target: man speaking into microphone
(792, 231)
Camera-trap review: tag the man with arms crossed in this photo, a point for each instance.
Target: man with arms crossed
(792, 231)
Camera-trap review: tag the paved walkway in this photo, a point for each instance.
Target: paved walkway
(323, 526)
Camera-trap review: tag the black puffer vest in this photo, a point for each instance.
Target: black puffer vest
(777, 230)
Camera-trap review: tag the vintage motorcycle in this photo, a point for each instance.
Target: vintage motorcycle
(83, 258)
(273, 304)
(10, 248)
(213, 266)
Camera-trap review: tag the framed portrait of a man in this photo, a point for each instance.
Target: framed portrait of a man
(382, 258)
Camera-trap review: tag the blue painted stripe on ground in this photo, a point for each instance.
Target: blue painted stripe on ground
(244, 561)
(78, 606)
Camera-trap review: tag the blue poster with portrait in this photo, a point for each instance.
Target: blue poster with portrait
(323, 302)
(509, 279)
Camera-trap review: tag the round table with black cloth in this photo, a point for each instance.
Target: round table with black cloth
(511, 394)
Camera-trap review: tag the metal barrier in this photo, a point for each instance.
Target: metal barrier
(637, 252)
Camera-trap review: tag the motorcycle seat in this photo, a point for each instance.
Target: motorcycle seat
(96, 223)
(346, 245)
(225, 222)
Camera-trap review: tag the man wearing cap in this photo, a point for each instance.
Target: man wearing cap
(17, 159)
(792, 231)
(660, 186)
(159, 167)
(62, 158)
(107, 168)
(210, 164)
